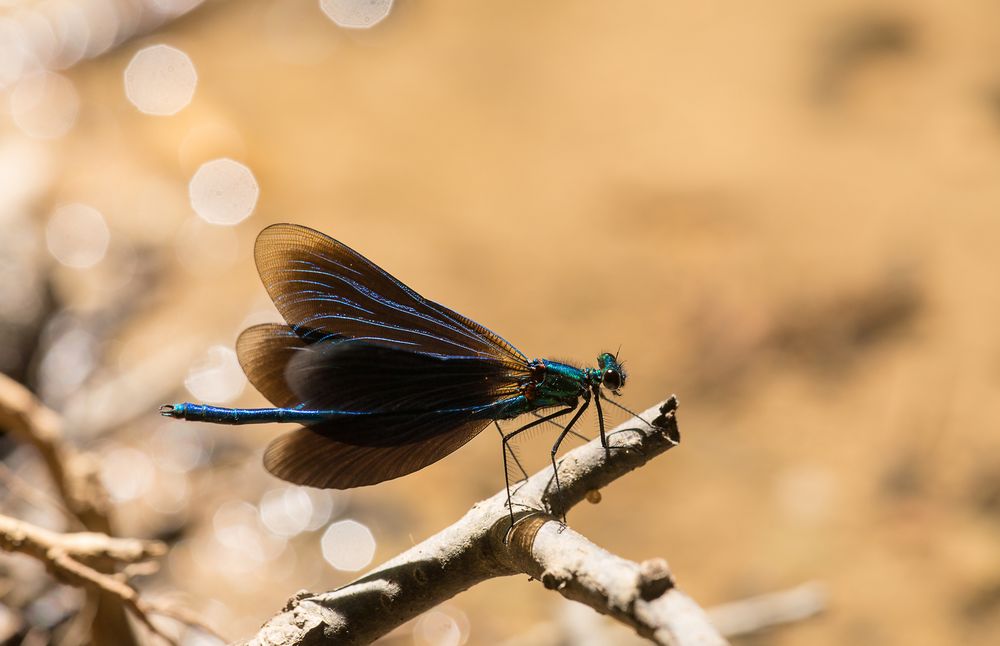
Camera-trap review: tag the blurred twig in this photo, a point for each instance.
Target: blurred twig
(33, 495)
(87, 559)
(766, 611)
(74, 472)
(98, 31)
(480, 547)
(75, 475)
(90, 549)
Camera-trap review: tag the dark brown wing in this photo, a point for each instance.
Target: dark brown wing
(404, 380)
(391, 412)
(264, 352)
(325, 289)
(345, 375)
(307, 457)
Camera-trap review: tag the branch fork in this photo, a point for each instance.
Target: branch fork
(483, 545)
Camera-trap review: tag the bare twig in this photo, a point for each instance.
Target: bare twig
(479, 547)
(643, 596)
(756, 614)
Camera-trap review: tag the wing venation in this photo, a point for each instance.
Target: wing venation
(325, 289)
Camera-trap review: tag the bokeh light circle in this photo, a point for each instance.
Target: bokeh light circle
(160, 80)
(356, 14)
(235, 522)
(286, 511)
(126, 473)
(77, 236)
(436, 628)
(348, 545)
(179, 448)
(326, 504)
(223, 191)
(218, 378)
(44, 105)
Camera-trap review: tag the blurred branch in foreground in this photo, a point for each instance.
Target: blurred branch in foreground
(482, 546)
(88, 559)
(767, 611)
(74, 472)
(74, 559)
(58, 35)
(92, 560)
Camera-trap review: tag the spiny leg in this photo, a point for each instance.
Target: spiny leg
(627, 410)
(600, 417)
(600, 421)
(513, 453)
(509, 436)
(555, 447)
(630, 412)
(560, 427)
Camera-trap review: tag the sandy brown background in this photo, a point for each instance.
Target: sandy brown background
(786, 213)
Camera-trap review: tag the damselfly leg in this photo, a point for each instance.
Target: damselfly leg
(562, 436)
(509, 436)
(627, 410)
(575, 434)
(513, 453)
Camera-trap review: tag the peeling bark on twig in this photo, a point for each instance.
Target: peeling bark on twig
(643, 596)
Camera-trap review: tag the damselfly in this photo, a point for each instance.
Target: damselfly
(383, 381)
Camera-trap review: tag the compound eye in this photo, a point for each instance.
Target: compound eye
(612, 379)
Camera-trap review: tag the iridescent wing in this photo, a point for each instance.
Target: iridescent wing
(325, 289)
(307, 456)
(405, 380)
(391, 412)
(351, 376)
(264, 352)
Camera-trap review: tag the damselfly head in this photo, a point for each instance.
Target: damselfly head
(612, 372)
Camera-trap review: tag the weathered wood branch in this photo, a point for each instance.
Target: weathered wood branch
(481, 546)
